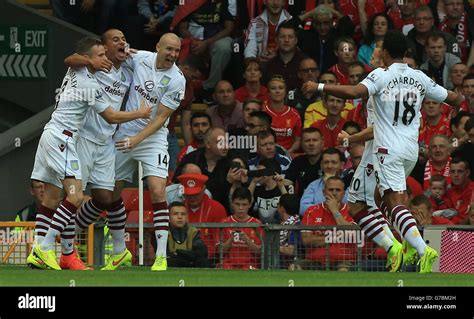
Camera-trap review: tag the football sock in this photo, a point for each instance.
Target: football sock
(378, 214)
(67, 237)
(406, 225)
(59, 222)
(373, 229)
(161, 222)
(88, 214)
(43, 221)
(117, 218)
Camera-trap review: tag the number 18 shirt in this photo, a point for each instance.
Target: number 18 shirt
(398, 93)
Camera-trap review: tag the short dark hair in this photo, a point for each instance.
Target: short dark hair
(242, 193)
(469, 124)
(291, 203)
(176, 204)
(256, 101)
(327, 72)
(199, 114)
(396, 44)
(351, 124)
(458, 160)
(457, 119)
(196, 63)
(286, 25)
(262, 116)
(249, 61)
(312, 130)
(335, 178)
(469, 76)
(438, 178)
(266, 133)
(271, 163)
(332, 151)
(356, 63)
(421, 199)
(84, 45)
(434, 36)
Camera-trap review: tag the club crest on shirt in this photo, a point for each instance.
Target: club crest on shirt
(122, 77)
(74, 165)
(368, 171)
(165, 80)
(62, 147)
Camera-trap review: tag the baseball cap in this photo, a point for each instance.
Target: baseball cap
(193, 183)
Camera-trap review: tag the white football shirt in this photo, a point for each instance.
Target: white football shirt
(79, 91)
(398, 92)
(367, 156)
(155, 86)
(114, 85)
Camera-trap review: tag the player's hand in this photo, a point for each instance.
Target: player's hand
(126, 145)
(332, 203)
(100, 64)
(144, 110)
(310, 88)
(343, 138)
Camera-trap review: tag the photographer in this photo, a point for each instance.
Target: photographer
(267, 186)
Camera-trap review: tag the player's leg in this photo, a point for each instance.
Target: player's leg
(51, 199)
(157, 186)
(361, 203)
(392, 172)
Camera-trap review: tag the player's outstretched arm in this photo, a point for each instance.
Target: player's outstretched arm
(365, 135)
(154, 125)
(77, 61)
(343, 91)
(117, 117)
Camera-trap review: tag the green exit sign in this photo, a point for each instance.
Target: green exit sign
(23, 51)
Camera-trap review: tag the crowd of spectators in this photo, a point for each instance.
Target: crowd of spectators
(256, 57)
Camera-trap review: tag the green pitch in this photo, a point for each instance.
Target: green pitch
(137, 276)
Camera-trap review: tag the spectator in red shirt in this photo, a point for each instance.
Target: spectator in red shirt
(433, 122)
(202, 209)
(438, 193)
(439, 161)
(252, 89)
(461, 189)
(330, 212)
(345, 50)
(200, 123)
(286, 121)
(355, 74)
(402, 14)
(241, 245)
(422, 211)
(332, 125)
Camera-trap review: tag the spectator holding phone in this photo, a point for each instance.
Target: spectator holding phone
(241, 246)
(267, 186)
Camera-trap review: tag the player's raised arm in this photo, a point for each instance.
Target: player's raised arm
(77, 61)
(116, 117)
(343, 91)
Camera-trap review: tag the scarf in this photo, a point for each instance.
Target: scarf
(429, 172)
(462, 35)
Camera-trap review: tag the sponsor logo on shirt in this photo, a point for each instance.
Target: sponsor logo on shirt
(144, 94)
(149, 85)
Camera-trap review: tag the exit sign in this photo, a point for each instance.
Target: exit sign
(23, 52)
